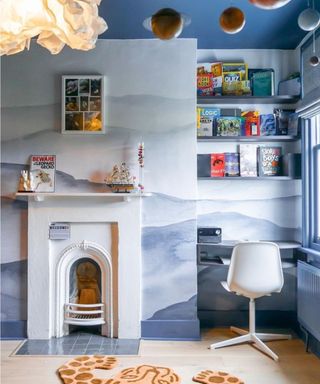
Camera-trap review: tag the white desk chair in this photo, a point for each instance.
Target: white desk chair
(255, 271)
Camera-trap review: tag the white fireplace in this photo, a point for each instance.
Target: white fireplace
(106, 237)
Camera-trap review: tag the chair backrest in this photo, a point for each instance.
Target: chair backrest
(255, 269)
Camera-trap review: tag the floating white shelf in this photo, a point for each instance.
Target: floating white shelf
(107, 195)
(233, 178)
(259, 139)
(283, 99)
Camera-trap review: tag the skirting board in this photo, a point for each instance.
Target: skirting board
(170, 329)
(267, 318)
(11, 330)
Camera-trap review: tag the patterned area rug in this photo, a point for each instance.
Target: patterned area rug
(78, 371)
(207, 377)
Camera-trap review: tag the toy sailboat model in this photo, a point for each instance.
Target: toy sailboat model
(120, 179)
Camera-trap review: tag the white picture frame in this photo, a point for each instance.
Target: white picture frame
(83, 105)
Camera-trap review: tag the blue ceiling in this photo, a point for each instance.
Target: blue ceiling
(268, 29)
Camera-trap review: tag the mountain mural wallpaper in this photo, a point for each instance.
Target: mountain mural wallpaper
(144, 102)
(137, 109)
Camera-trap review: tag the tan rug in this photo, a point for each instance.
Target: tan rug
(78, 371)
(208, 377)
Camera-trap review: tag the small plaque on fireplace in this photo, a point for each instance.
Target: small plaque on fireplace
(59, 231)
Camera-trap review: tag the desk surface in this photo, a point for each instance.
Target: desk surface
(232, 243)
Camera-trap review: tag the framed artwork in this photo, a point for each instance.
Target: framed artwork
(83, 104)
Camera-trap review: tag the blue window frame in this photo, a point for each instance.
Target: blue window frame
(311, 182)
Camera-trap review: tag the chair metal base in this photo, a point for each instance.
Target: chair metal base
(252, 337)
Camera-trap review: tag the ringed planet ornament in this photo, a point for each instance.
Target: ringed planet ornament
(269, 4)
(167, 23)
(309, 19)
(232, 20)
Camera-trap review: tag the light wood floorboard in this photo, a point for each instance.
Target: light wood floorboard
(186, 358)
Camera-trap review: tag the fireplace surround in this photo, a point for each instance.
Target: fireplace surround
(104, 229)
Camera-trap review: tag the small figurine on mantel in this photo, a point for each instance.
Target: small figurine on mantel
(120, 179)
(25, 181)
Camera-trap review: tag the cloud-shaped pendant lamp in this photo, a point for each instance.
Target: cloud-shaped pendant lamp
(75, 23)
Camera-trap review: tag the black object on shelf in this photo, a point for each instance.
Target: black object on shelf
(204, 166)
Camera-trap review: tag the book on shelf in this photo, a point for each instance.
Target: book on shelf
(217, 162)
(267, 124)
(248, 160)
(42, 170)
(241, 68)
(232, 164)
(282, 120)
(251, 123)
(206, 117)
(204, 165)
(230, 112)
(293, 124)
(209, 79)
(228, 126)
(269, 160)
(262, 82)
(236, 88)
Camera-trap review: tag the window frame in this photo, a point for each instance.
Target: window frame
(311, 186)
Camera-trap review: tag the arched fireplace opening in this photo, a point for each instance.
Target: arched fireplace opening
(84, 290)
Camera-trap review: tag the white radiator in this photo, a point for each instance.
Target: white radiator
(309, 298)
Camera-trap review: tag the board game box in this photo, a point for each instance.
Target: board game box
(206, 118)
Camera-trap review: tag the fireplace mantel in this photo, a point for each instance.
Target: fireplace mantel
(88, 211)
(108, 195)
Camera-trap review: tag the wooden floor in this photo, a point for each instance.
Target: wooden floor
(186, 358)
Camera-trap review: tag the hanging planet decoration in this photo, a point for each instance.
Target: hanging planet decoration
(309, 19)
(269, 4)
(166, 23)
(314, 61)
(232, 20)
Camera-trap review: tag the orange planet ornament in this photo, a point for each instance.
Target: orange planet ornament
(232, 20)
(269, 4)
(166, 23)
